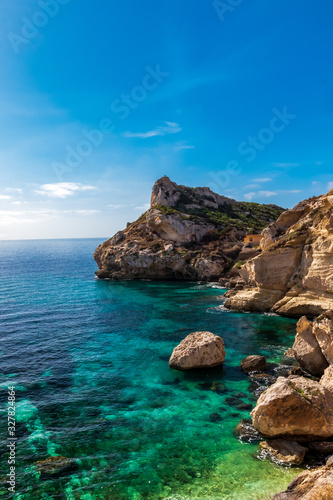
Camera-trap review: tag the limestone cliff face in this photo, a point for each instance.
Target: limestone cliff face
(294, 274)
(188, 233)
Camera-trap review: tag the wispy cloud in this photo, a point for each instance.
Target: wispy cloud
(114, 206)
(330, 186)
(179, 148)
(168, 128)
(285, 165)
(267, 194)
(144, 207)
(63, 189)
(13, 190)
(15, 216)
(262, 179)
(5, 197)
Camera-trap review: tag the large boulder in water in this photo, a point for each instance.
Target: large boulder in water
(253, 364)
(296, 408)
(198, 350)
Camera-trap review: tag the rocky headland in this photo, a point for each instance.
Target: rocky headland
(187, 234)
(293, 276)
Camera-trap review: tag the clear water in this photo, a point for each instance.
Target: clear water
(89, 360)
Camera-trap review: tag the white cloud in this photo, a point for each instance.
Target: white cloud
(63, 189)
(249, 196)
(115, 207)
(5, 197)
(169, 128)
(330, 186)
(144, 207)
(87, 212)
(283, 165)
(179, 148)
(262, 179)
(251, 186)
(11, 216)
(13, 190)
(267, 194)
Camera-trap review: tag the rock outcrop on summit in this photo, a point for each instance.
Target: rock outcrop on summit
(293, 276)
(187, 234)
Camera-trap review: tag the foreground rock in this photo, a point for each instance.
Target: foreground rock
(293, 274)
(198, 350)
(55, 466)
(253, 364)
(307, 350)
(296, 408)
(187, 234)
(284, 452)
(310, 485)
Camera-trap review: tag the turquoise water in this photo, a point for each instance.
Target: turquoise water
(89, 360)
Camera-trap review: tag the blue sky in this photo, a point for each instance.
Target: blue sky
(99, 99)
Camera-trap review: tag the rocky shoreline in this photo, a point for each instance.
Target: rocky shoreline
(293, 418)
(293, 276)
(195, 234)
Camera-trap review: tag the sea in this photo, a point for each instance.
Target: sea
(88, 363)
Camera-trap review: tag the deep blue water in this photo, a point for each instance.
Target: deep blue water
(89, 361)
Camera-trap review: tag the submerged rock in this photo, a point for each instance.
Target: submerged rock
(310, 485)
(215, 417)
(284, 452)
(246, 432)
(253, 364)
(198, 350)
(55, 466)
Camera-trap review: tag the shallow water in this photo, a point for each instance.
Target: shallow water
(89, 360)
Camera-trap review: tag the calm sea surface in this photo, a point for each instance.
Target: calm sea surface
(89, 361)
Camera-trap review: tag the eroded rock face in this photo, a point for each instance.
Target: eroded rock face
(253, 364)
(296, 408)
(307, 350)
(297, 261)
(323, 331)
(284, 452)
(198, 350)
(187, 234)
(310, 485)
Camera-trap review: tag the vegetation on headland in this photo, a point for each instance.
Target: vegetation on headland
(243, 216)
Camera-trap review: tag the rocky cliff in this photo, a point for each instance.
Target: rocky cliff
(188, 234)
(294, 274)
